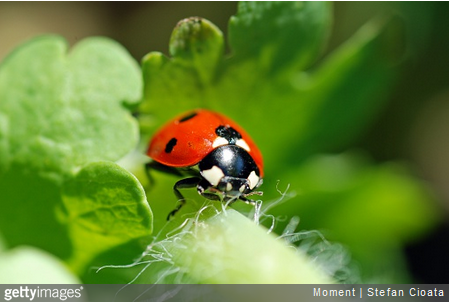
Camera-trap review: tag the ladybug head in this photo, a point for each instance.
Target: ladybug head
(231, 170)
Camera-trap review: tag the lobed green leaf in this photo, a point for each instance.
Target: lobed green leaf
(104, 206)
(59, 111)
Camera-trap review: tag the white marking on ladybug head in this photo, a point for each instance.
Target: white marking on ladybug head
(213, 175)
(242, 188)
(253, 179)
(219, 141)
(229, 186)
(243, 144)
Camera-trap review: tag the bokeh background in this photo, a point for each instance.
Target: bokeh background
(413, 126)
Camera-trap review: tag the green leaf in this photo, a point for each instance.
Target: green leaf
(295, 108)
(198, 43)
(27, 211)
(179, 83)
(28, 265)
(373, 209)
(345, 91)
(59, 111)
(279, 35)
(197, 76)
(314, 110)
(105, 206)
(230, 249)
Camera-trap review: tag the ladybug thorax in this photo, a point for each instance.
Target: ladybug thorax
(231, 170)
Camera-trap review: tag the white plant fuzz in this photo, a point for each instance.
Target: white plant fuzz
(223, 246)
(333, 258)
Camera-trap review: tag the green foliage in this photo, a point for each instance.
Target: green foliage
(20, 265)
(60, 114)
(372, 209)
(252, 257)
(63, 107)
(65, 120)
(282, 36)
(106, 206)
(296, 109)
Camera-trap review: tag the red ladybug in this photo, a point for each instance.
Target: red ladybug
(214, 151)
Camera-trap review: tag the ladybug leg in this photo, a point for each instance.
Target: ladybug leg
(185, 183)
(204, 185)
(247, 201)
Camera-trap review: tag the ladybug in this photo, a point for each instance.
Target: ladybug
(219, 157)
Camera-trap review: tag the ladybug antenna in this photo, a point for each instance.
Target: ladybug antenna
(259, 193)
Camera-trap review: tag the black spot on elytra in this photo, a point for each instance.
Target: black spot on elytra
(170, 145)
(228, 133)
(188, 117)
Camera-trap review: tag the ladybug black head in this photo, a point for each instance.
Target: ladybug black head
(231, 170)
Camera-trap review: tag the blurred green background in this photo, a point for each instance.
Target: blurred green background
(412, 127)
